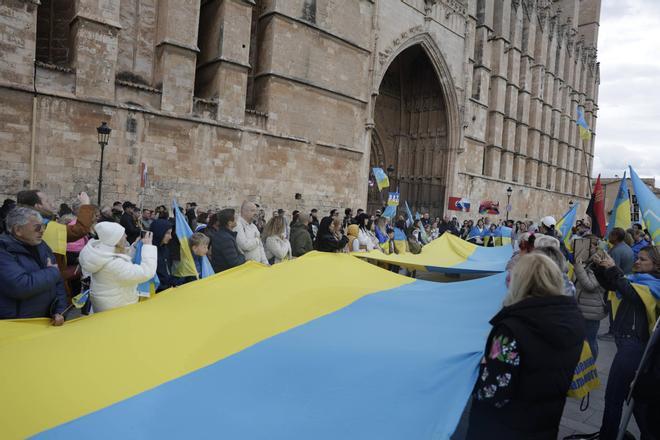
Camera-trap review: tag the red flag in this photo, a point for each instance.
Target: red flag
(596, 210)
(143, 174)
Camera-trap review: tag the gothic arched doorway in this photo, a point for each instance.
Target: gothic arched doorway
(411, 121)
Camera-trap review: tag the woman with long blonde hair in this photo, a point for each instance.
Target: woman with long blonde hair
(530, 357)
(276, 245)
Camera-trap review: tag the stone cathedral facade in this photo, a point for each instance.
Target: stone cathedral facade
(291, 102)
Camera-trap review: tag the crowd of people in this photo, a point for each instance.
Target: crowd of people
(531, 352)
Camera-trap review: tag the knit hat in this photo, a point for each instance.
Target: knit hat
(109, 232)
(548, 221)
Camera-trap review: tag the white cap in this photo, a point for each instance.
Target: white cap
(548, 221)
(109, 232)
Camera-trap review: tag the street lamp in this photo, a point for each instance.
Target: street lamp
(104, 134)
(509, 191)
(390, 171)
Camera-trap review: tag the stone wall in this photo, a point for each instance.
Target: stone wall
(174, 88)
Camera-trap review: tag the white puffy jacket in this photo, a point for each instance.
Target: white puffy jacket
(114, 276)
(249, 242)
(365, 240)
(278, 247)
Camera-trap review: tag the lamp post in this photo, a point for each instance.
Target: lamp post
(104, 134)
(509, 191)
(390, 171)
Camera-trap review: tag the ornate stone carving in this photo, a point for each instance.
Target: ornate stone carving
(428, 6)
(385, 54)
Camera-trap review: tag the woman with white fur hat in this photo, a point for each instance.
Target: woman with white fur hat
(114, 276)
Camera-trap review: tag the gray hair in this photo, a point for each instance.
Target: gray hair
(20, 216)
(554, 254)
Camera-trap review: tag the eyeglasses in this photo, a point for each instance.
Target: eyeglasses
(39, 227)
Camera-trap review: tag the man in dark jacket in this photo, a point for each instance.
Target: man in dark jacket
(301, 242)
(129, 222)
(224, 250)
(30, 282)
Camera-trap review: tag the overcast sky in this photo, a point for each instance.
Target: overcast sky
(628, 128)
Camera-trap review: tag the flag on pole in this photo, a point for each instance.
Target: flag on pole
(565, 225)
(620, 216)
(409, 220)
(186, 266)
(147, 288)
(80, 300)
(596, 210)
(393, 199)
(585, 133)
(649, 206)
(381, 178)
(143, 174)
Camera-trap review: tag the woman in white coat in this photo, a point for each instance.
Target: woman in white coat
(364, 236)
(114, 276)
(277, 247)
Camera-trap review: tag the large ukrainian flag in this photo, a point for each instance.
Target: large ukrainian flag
(448, 254)
(292, 351)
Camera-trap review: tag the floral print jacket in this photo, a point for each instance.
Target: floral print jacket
(499, 370)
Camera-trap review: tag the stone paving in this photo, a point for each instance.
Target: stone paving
(575, 421)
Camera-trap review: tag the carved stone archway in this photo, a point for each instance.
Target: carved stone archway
(416, 113)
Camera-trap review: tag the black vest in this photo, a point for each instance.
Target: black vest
(550, 334)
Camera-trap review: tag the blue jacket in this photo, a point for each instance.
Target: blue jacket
(638, 247)
(28, 288)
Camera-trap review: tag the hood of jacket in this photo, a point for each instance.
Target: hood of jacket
(555, 319)
(159, 227)
(298, 225)
(11, 244)
(95, 255)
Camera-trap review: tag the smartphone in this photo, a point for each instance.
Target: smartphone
(142, 233)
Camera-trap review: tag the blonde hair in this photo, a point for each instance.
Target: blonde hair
(534, 275)
(275, 227)
(198, 239)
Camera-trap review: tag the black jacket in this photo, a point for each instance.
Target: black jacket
(28, 287)
(550, 334)
(159, 227)
(630, 319)
(132, 230)
(326, 240)
(224, 251)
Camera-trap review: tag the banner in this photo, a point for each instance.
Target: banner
(448, 254)
(489, 207)
(393, 199)
(459, 204)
